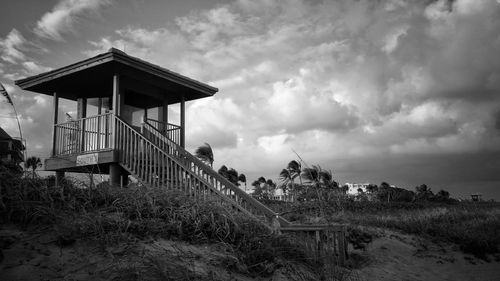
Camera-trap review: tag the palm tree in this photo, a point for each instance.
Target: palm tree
(232, 176)
(33, 162)
(285, 178)
(286, 181)
(295, 170)
(242, 178)
(223, 171)
(270, 186)
(262, 180)
(318, 178)
(205, 154)
(311, 175)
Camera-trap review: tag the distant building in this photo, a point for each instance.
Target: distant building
(476, 197)
(354, 188)
(278, 194)
(10, 149)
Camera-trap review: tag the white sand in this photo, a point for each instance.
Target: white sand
(396, 257)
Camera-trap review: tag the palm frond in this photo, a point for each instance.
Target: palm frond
(285, 175)
(310, 174)
(205, 153)
(5, 94)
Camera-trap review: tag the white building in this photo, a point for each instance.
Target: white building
(355, 187)
(278, 194)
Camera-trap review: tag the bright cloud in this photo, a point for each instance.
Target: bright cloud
(60, 20)
(10, 47)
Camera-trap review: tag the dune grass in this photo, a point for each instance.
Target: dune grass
(473, 226)
(111, 215)
(476, 229)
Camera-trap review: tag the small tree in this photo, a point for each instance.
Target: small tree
(232, 176)
(205, 154)
(442, 195)
(223, 171)
(424, 192)
(33, 163)
(372, 188)
(242, 178)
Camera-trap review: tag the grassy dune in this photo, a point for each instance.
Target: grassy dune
(474, 226)
(110, 216)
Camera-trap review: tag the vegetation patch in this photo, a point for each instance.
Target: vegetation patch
(112, 215)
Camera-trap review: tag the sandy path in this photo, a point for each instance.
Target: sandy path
(396, 257)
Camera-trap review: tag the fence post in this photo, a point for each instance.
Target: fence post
(318, 246)
(342, 248)
(55, 107)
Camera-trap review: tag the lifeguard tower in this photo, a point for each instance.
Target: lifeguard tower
(120, 139)
(122, 88)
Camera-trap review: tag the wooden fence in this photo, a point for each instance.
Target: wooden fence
(323, 244)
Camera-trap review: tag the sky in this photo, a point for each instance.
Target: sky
(406, 92)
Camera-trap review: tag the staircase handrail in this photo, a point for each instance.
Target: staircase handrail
(208, 170)
(179, 162)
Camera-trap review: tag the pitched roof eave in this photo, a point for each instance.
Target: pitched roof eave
(123, 58)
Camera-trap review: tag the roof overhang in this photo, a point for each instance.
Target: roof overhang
(93, 78)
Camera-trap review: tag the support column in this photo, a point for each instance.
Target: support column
(99, 106)
(81, 108)
(144, 119)
(99, 112)
(163, 116)
(59, 178)
(81, 112)
(116, 107)
(183, 122)
(116, 95)
(55, 105)
(124, 180)
(115, 174)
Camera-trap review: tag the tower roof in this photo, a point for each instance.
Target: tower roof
(92, 77)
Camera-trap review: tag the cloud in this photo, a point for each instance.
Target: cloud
(60, 20)
(15, 50)
(33, 68)
(11, 46)
(334, 80)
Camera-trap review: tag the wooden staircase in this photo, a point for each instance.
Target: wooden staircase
(157, 161)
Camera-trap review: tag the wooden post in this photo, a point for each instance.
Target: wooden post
(114, 174)
(124, 180)
(55, 105)
(59, 178)
(183, 122)
(144, 120)
(342, 246)
(99, 111)
(81, 112)
(163, 116)
(318, 245)
(116, 107)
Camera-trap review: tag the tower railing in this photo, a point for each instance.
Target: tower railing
(172, 131)
(84, 135)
